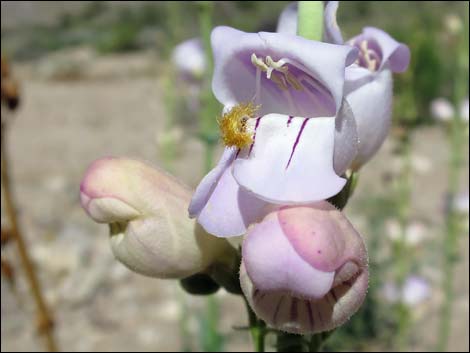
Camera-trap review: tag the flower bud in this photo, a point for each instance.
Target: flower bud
(146, 210)
(304, 269)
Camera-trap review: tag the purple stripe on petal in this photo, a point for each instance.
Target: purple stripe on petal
(297, 140)
(310, 314)
(294, 314)
(258, 119)
(319, 316)
(289, 120)
(276, 312)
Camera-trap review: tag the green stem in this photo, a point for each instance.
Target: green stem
(209, 127)
(453, 225)
(310, 20)
(257, 329)
(401, 250)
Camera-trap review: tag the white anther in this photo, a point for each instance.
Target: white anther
(276, 65)
(258, 62)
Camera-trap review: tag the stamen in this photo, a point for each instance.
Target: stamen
(280, 81)
(258, 63)
(233, 125)
(293, 81)
(369, 57)
(257, 94)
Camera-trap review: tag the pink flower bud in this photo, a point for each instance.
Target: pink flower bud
(304, 269)
(146, 209)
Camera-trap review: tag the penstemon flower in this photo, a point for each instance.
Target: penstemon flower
(288, 132)
(368, 82)
(144, 208)
(304, 269)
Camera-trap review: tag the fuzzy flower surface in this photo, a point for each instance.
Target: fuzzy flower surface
(145, 209)
(304, 269)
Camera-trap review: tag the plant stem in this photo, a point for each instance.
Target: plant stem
(310, 20)
(401, 250)
(453, 226)
(45, 321)
(209, 127)
(257, 328)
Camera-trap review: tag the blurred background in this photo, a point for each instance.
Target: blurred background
(102, 78)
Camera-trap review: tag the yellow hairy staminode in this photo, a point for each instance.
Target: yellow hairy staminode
(233, 125)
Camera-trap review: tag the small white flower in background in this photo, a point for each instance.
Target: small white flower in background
(442, 110)
(415, 233)
(415, 290)
(189, 58)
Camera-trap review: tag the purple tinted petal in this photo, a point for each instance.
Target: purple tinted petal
(322, 236)
(331, 30)
(273, 264)
(346, 139)
(291, 164)
(395, 53)
(229, 209)
(371, 104)
(287, 22)
(208, 184)
(235, 76)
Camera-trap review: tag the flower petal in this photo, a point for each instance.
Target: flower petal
(145, 209)
(287, 22)
(371, 104)
(395, 53)
(209, 182)
(274, 265)
(322, 236)
(235, 76)
(331, 30)
(230, 210)
(346, 139)
(291, 160)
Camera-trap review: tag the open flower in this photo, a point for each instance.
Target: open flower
(304, 269)
(369, 85)
(288, 131)
(145, 210)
